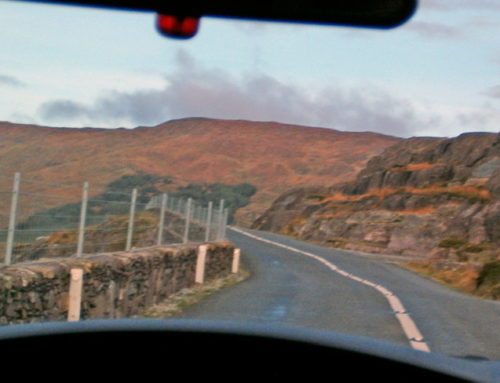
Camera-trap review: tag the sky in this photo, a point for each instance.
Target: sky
(437, 75)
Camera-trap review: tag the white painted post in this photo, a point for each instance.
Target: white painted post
(200, 264)
(188, 218)
(12, 219)
(130, 230)
(236, 261)
(83, 218)
(164, 199)
(220, 219)
(75, 295)
(209, 222)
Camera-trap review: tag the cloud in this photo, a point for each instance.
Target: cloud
(434, 30)
(457, 5)
(195, 91)
(492, 92)
(11, 81)
(484, 117)
(63, 109)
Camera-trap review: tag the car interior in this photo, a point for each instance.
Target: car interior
(150, 349)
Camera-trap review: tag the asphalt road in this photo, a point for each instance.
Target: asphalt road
(291, 289)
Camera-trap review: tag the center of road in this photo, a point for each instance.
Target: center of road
(408, 325)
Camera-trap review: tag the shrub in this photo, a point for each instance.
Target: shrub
(451, 243)
(489, 276)
(476, 248)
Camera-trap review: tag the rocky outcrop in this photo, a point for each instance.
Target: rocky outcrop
(432, 197)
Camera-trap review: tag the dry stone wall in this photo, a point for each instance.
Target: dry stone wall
(115, 285)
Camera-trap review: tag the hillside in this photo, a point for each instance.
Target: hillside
(429, 197)
(272, 156)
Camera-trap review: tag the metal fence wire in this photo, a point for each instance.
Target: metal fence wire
(42, 220)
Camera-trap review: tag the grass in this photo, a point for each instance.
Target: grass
(176, 303)
(472, 194)
(413, 167)
(483, 283)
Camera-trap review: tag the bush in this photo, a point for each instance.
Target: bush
(476, 248)
(490, 273)
(234, 196)
(451, 243)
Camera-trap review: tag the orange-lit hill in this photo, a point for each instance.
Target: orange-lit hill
(272, 156)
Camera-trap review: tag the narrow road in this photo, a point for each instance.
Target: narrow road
(288, 287)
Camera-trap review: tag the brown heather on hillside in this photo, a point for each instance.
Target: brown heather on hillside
(431, 197)
(272, 156)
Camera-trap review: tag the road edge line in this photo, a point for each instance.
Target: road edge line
(409, 327)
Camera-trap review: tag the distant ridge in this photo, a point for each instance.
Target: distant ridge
(270, 155)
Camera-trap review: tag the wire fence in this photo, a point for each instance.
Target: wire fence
(42, 220)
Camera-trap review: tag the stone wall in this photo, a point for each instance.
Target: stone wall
(115, 285)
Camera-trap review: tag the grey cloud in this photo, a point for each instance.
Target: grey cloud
(456, 5)
(63, 109)
(194, 91)
(477, 119)
(434, 30)
(11, 81)
(493, 92)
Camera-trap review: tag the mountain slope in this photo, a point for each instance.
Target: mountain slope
(436, 198)
(272, 156)
(405, 201)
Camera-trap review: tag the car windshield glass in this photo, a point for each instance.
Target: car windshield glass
(345, 179)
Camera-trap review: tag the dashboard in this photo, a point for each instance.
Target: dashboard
(220, 350)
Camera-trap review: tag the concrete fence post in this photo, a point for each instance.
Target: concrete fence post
(236, 261)
(161, 223)
(83, 218)
(200, 264)
(12, 219)
(131, 219)
(188, 219)
(209, 222)
(75, 295)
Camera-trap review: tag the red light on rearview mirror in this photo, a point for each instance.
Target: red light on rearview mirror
(178, 26)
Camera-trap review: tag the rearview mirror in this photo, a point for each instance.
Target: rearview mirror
(362, 13)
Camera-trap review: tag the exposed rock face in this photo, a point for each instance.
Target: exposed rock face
(423, 196)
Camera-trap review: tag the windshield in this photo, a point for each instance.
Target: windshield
(357, 171)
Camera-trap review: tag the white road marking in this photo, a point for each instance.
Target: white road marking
(409, 327)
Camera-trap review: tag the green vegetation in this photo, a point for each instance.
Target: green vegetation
(476, 273)
(176, 303)
(115, 200)
(234, 196)
(476, 248)
(488, 281)
(451, 242)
